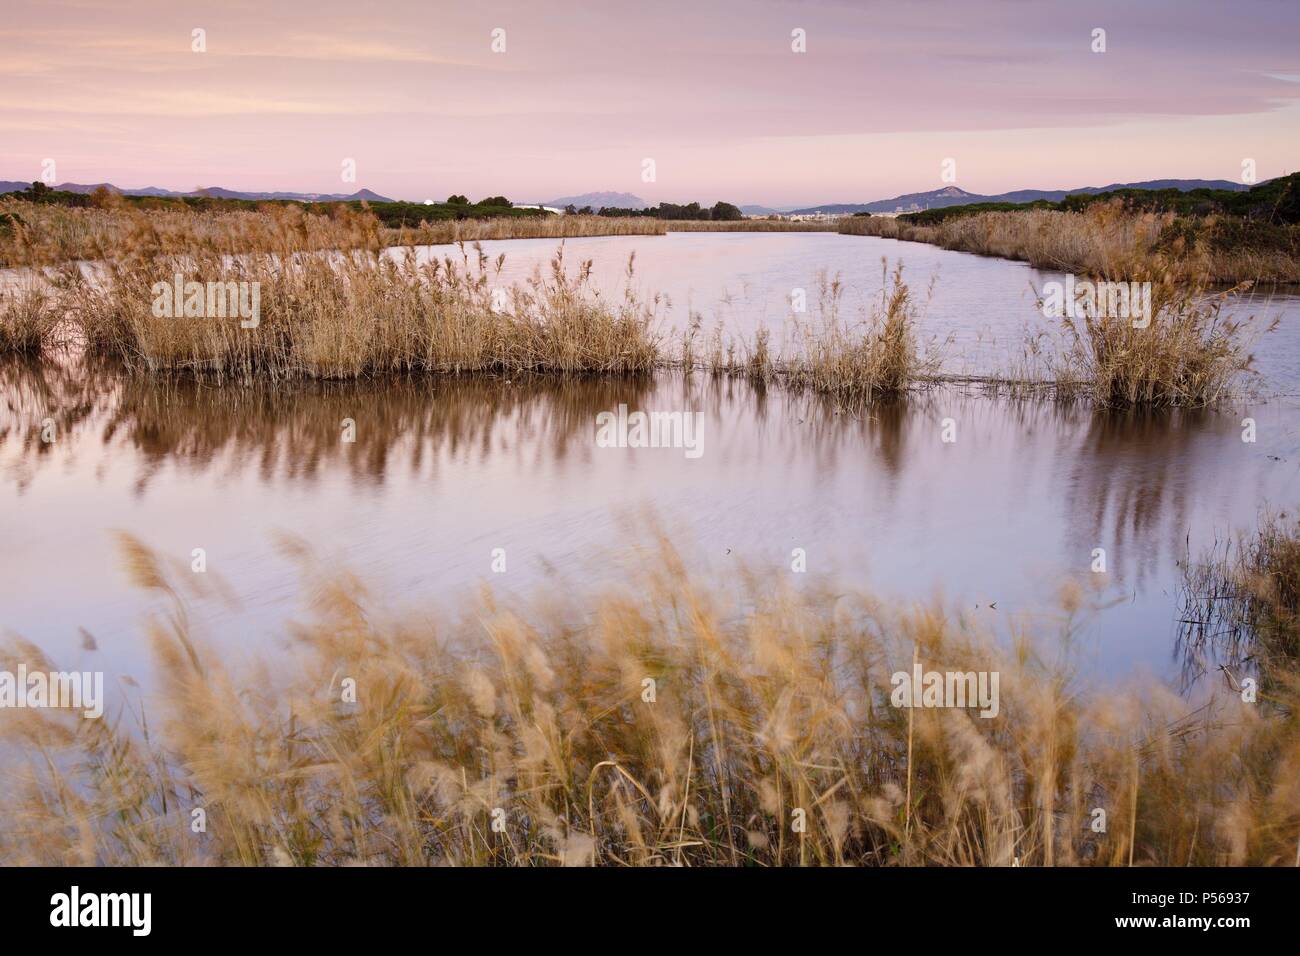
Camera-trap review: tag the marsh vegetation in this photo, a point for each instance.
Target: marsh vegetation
(648, 726)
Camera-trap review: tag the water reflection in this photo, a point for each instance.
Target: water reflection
(443, 470)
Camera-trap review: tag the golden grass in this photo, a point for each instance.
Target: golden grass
(366, 313)
(671, 723)
(362, 313)
(874, 357)
(331, 314)
(48, 235)
(549, 227)
(1104, 240)
(53, 235)
(748, 225)
(1191, 354)
(27, 318)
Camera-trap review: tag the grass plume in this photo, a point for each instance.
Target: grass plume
(763, 704)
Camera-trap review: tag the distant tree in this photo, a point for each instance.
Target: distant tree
(585, 211)
(495, 201)
(726, 212)
(39, 188)
(104, 198)
(457, 200)
(570, 209)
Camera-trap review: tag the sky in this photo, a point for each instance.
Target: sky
(577, 97)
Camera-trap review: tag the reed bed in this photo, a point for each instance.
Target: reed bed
(675, 723)
(1191, 354)
(333, 314)
(54, 235)
(27, 318)
(549, 227)
(1240, 603)
(748, 225)
(873, 357)
(36, 234)
(1105, 240)
(364, 313)
(360, 314)
(367, 314)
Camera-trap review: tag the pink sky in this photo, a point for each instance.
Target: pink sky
(583, 93)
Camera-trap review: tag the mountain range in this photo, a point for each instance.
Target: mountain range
(599, 201)
(954, 196)
(910, 202)
(213, 191)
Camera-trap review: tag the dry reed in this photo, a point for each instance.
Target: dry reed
(1104, 240)
(362, 313)
(549, 227)
(27, 318)
(48, 234)
(661, 725)
(749, 225)
(1188, 352)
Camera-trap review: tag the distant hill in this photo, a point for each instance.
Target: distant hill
(214, 191)
(953, 196)
(599, 201)
(218, 192)
(754, 210)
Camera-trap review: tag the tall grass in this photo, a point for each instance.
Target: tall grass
(549, 227)
(362, 313)
(39, 234)
(1240, 603)
(672, 722)
(749, 225)
(342, 315)
(27, 318)
(1105, 240)
(1191, 353)
(334, 304)
(875, 357)
(55, 235)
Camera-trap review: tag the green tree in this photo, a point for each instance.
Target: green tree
(726, 212)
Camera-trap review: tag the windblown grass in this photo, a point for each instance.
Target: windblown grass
(662, 725)
(1106, 240)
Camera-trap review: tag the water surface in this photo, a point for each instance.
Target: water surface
(443, 471)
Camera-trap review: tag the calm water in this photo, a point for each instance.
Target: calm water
(443, 471)
(975, 309)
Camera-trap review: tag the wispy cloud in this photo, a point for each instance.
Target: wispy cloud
(713, 91)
